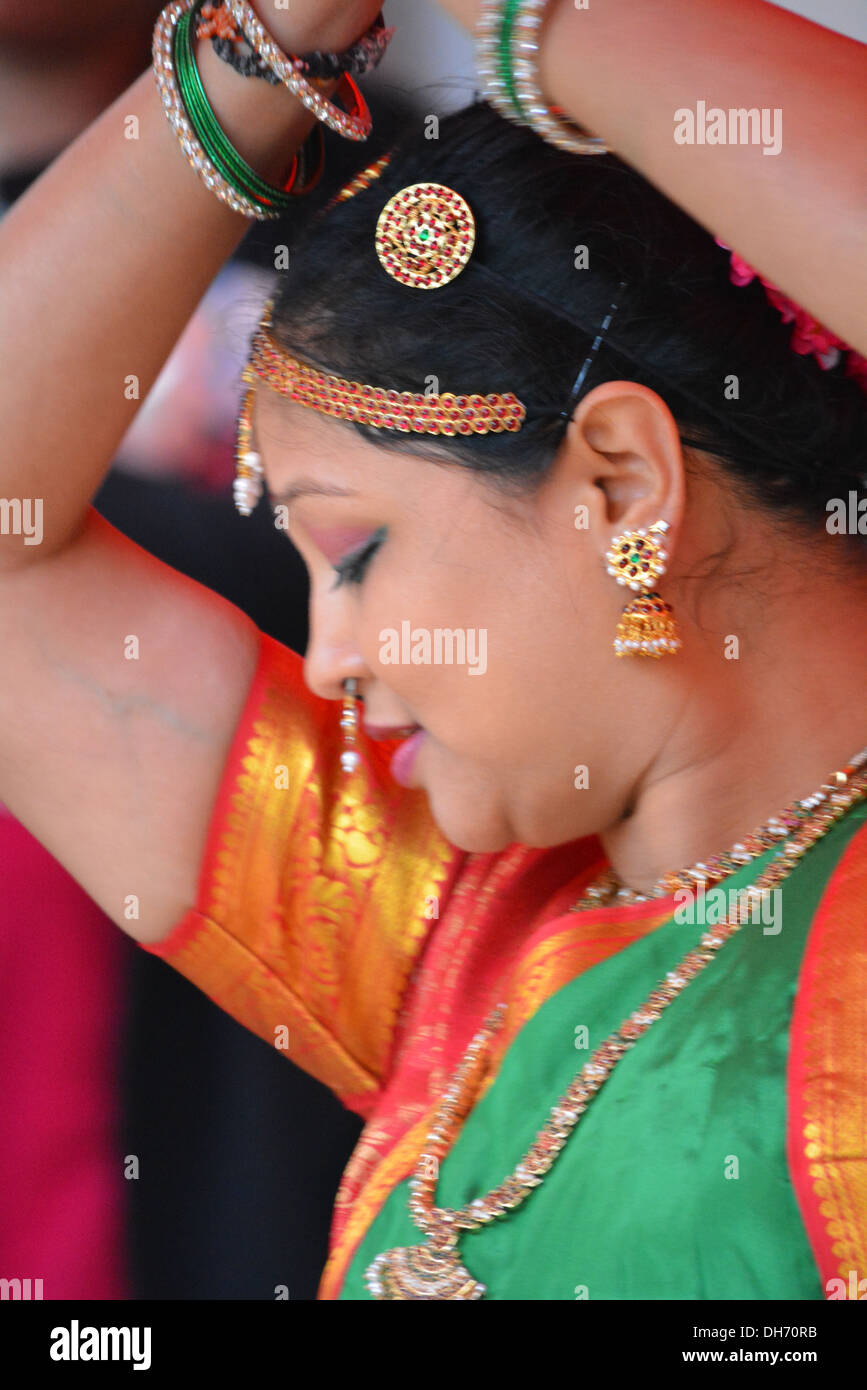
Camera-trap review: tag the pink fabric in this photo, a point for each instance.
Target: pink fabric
(808, 335)
(62, 1197)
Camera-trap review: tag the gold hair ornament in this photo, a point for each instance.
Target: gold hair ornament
(362, 180)
(425, 235)
(407, 411)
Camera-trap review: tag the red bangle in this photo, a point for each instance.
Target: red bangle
(310, 176)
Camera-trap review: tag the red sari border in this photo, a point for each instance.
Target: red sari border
(827, 1080)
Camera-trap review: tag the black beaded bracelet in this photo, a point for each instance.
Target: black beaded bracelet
(361, 57)
(247, 64)
(364, 54)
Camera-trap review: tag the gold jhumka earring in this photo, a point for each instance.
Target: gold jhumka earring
(647, 626)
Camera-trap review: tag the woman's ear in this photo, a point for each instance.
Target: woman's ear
(622, 458)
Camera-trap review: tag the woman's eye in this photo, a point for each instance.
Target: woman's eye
(351, 569)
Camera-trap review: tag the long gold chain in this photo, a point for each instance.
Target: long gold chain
(433, 1270)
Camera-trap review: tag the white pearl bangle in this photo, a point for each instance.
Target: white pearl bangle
(164, 73)
(343, 122)
(523, 103)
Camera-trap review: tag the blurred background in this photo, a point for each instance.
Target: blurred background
(106, 1053)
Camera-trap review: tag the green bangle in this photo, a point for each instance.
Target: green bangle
(504, 55)
(222, 154)
(507, 47)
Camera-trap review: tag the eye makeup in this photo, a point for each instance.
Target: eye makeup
(337, 542)
(351, 569)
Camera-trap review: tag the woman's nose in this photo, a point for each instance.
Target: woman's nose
(332, 655)
(325, 677)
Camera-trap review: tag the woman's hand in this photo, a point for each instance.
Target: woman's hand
(328, 26)
(623, 69)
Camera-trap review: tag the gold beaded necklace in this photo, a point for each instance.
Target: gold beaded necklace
(433, 1270)
(607, 889)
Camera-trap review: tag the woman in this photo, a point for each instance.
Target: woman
(366, 907)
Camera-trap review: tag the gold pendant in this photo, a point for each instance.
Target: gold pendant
(421, 1272)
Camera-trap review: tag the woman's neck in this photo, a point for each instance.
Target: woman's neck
(766, 729)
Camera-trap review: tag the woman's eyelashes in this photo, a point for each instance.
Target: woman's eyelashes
(351, 569)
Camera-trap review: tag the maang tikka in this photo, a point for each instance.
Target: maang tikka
(647, 626)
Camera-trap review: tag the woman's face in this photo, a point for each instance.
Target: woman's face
(526, 689)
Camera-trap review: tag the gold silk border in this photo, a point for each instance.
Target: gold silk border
(311, 905)
(230, 974)
(827, 1132)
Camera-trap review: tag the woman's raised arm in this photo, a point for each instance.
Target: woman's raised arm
(102, 263)
(624, 69)
(111, 751)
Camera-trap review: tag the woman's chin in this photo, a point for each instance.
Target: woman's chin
(481, 825)
(474, 843)
(468, 829)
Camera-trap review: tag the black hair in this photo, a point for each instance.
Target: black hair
(521, 317)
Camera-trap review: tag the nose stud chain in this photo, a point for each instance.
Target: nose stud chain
(350, 757)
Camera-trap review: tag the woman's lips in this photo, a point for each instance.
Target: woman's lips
(403, 760)
(384, 731)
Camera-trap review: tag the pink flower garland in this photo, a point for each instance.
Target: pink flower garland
(808, 335)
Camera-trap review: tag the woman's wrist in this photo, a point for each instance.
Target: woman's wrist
(266, 124)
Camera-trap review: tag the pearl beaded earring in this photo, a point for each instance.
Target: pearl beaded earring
(350, 757)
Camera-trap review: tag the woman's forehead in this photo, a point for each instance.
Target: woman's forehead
(307, 454)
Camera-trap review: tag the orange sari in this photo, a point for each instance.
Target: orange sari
(334, 920)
